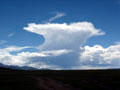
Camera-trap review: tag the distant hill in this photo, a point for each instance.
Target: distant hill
(17, 67)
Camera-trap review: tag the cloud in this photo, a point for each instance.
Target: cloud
(15, 48)
(96, 57)
(100, 56)
(3, 42)
(10, 34)
(26, 58)
(58, 15)
(60, 49)
(64, 36)
(63, 48)
(5, 54)
(87, 67)
(56, 52)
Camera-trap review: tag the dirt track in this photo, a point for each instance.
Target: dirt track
(50, 84)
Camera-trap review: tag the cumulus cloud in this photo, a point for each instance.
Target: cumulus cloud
(96, 57)
(100, 56)
(60, 49)
(26, 58)
(64, 36)
(6, 56)
(63, 48)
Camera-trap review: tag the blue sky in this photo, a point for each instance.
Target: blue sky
(17, 14)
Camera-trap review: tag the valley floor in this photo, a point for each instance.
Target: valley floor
(59, 80)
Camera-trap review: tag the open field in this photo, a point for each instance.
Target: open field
(59, 80)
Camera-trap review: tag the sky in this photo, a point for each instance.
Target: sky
(60, 34)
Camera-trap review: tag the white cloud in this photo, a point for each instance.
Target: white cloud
(14, 48)
(61, 39)
(43, 53)
(58, 15)
(5, 54)
(63, 48)
(3, 42)
(97, 55)
(64, 36)
(56, 52)
(29, 58)
(87, 67)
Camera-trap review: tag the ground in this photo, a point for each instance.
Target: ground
(59, 80)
